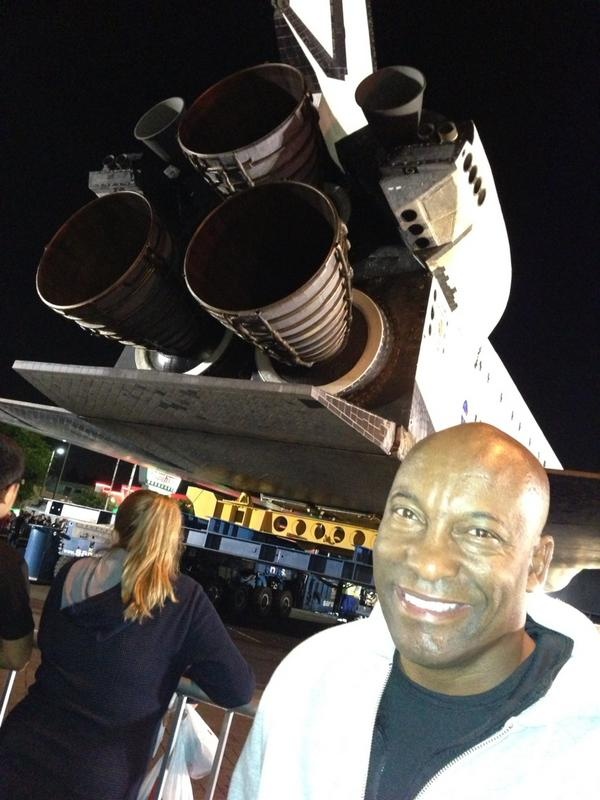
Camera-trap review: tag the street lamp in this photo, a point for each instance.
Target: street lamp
(62, 467)
(112, 483)
(58, 451)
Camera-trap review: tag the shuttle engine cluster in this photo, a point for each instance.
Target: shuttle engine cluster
(246, 230)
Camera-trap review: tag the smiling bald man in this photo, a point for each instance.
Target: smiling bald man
(458, 547)
(466, 681)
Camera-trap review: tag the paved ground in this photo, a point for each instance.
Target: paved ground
(263, 644)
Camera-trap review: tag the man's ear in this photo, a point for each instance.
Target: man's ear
(8, 497)
(541, 557)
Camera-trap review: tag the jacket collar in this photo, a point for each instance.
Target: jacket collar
(573, 691)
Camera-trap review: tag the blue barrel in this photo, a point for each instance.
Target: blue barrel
(41, 552)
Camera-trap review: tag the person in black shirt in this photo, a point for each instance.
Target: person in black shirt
(466, 681)
(459, 546)
(16, 621)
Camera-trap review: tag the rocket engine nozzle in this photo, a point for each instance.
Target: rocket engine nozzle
(254, 126)
(271, 264)
(391, 100)
(108, 269)
(157, 129)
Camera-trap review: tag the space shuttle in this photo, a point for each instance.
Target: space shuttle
(304, 267)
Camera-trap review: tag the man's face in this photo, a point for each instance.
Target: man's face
(452, 559)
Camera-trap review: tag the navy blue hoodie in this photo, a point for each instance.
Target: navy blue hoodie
(88, 725)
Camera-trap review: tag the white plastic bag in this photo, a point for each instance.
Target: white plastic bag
(178, 785)
(193, 756)
(149, 781)
(200, 743)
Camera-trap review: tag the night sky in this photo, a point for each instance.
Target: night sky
(77, 76)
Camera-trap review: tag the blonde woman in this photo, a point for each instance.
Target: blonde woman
(116, 634)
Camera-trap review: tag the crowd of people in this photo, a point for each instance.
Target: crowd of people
(14, 527)
(466, 681)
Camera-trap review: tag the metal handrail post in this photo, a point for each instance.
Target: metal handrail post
(219, 753)
(6, 692)
(166, 759)
(188, 688)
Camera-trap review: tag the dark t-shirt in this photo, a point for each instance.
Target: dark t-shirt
(417, 732)
(15, 614)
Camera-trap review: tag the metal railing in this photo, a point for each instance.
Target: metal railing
(186, 690)
(6, 692)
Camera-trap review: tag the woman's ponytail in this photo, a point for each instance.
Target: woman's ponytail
(148, 526)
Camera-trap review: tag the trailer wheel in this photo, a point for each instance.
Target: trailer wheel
(262, 600)
(284, 602)
(61, 561)
(237, 599)
(215, 589)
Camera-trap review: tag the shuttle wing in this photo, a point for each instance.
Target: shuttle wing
(278, 439)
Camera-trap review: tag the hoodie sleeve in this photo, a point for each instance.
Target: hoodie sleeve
(16, 620)
(246, 779)
(214, 661)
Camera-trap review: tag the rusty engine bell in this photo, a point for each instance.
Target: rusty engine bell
(271, 264)
(256, 125)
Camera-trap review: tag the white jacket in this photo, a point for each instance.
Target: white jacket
(311, 739)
